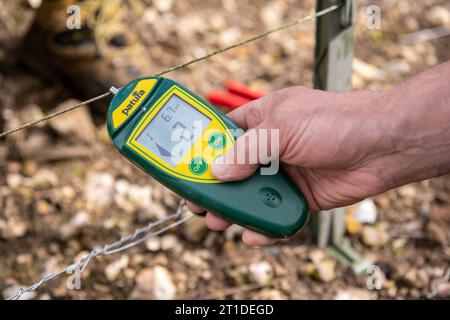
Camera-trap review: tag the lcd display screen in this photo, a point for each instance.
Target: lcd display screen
(173, 130)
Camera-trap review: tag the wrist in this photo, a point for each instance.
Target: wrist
(416, 133)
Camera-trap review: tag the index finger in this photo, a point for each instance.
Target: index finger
(241, 117)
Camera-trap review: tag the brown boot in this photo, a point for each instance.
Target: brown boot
(104, 52)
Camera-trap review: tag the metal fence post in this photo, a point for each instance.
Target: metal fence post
(332, 71)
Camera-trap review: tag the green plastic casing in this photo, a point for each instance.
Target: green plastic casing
(270, 204)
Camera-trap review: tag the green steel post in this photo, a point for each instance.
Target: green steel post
(332, 72)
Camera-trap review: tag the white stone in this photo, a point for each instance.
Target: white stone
(99, 189)
(261, 272)
(399, 67)
(35, 4)
(155, 282)
(368, 71)
(140, 195)
(121, 187)
(113, 269)
(438, 16)
(14, 180)
(229, 36)
(366, 212)
(169, 242)
(193, 260)
(354, 294)
(44, 178)
(10, 291)
(271, 15)
(163, 5)
(153, 244)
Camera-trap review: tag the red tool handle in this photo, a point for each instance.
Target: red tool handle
(242, 90)
(227, 99)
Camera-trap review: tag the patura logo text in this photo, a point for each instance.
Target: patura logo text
(137, 95)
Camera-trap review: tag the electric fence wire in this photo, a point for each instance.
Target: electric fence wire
(138, 236)
(142, 234)
(180, 66)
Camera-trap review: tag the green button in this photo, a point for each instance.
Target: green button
(198, 166)
(217, 141)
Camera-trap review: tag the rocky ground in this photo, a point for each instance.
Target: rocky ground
(64, 190)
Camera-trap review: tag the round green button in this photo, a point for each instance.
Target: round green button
(198, 166)
(217, 141)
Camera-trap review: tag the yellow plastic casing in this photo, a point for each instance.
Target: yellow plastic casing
(200, 150)
(130, 104)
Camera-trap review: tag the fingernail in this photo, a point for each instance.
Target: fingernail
(219, 168)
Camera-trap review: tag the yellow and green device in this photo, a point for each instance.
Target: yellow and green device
(173, 135)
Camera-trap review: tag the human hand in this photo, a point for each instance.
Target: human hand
(326, 142)
(339, 148)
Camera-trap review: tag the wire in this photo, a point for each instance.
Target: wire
(52, 115)
(181, 66)
(138, 236)
(254, 38)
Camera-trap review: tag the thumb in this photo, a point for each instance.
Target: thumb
(257, 146)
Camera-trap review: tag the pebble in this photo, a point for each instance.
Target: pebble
(368, 71)
(271, 15)
(325, 270)
(170, 242)
(374, 236)
(11, 290)
(410, 54)
(45, 296)
(141, 196)
(155, 283)
(98, 189)
(270, 294)
(35, 4)
(78, 221)
(414, 278)
(14, 180)
(113, 269)
(438, 16)
(366, 212)
(130, 197)
(261, 272)
(150, 16)
(442, 290)
(153, 244)
(195, 229)
(13, 228)
(43, 207)
(229, 36)
(191, 25)
(239, 275)
(78, 124)
(163, 6)
(44, 178)
(354, 294)
(24, 258)
(68, 192)
(217, 22)
(194, 261)
(30, 168)
(399, 67)
(407, 191)
(352, 226)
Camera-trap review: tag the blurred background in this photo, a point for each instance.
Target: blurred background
(64, 190)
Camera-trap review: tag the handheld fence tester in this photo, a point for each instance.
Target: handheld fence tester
(174, 135)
